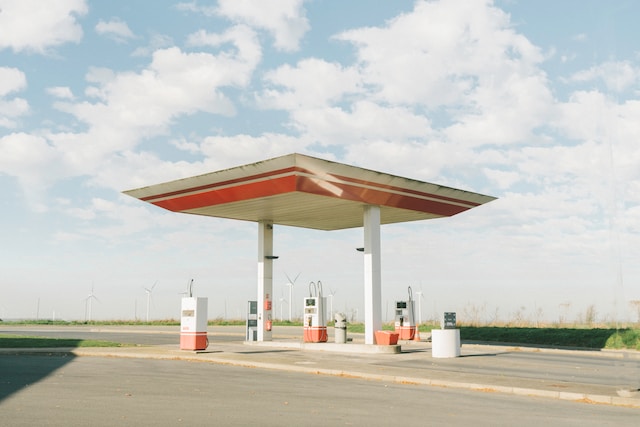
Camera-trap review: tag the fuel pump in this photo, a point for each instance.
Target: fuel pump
(193, 323)
(405, 324)
(252, 321)
(315, 323)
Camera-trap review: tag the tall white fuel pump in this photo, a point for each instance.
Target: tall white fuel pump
(405, 324)
(315, 318)
(193, 322)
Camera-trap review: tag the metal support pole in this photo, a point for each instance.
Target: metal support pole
(265, 280)
(372, 276)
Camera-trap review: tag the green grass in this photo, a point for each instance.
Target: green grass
(20, 341)
(625, 338)
(592, 338)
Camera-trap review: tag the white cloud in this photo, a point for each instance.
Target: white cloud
(24, 154)
(129, 107)
(194, 7)
(284, 19)
(242, 38)
(436, 55)
(156, 42)
(115, 29)
(479, 77)
(63, 92)
(12, 109)
(617, 76)
(312, 83)
(11, 80)
(503, 179)
(223, 152)
(144, 104)
(31, 25)
(417, 160)
(365, 121)
(504, 112)
(33, 161)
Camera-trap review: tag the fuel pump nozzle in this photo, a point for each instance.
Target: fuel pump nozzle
(312, 289)
(413, 311)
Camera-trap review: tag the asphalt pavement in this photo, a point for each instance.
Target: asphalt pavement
(600, 377)
(62, 390)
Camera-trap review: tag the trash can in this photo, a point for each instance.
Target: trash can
(340, 325)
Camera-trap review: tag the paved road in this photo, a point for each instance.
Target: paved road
(99, 391)
(480, 362)
(146, 385)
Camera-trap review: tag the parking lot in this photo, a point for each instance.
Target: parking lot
(232, 383)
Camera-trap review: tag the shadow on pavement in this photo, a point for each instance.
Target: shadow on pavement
(19, 369)
(481, 355)
(264, 351)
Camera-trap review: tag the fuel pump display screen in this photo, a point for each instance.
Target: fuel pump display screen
(311, 302)
(401, 304)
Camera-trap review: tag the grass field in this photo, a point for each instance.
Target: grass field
(592, 338)
(19, 341)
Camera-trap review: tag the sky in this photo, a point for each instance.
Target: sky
(534, 102)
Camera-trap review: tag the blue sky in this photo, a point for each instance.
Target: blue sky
(536, 103)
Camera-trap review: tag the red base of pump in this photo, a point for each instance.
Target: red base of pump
(406, 332)
(386, 338)
(193, 341)
(315, 334)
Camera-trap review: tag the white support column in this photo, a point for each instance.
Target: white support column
(265, 280)
(372, 276)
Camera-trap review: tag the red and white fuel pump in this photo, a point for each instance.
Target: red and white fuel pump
(193, 323)
(315, 319)
(405, 324)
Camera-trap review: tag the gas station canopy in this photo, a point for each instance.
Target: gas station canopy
(303, 191)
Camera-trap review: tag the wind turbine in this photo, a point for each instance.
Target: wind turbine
(420, 296)
(148, 291)
(290, 285)
(87, 302)
(282, 302)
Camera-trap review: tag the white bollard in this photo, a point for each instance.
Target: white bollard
(445, 343)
